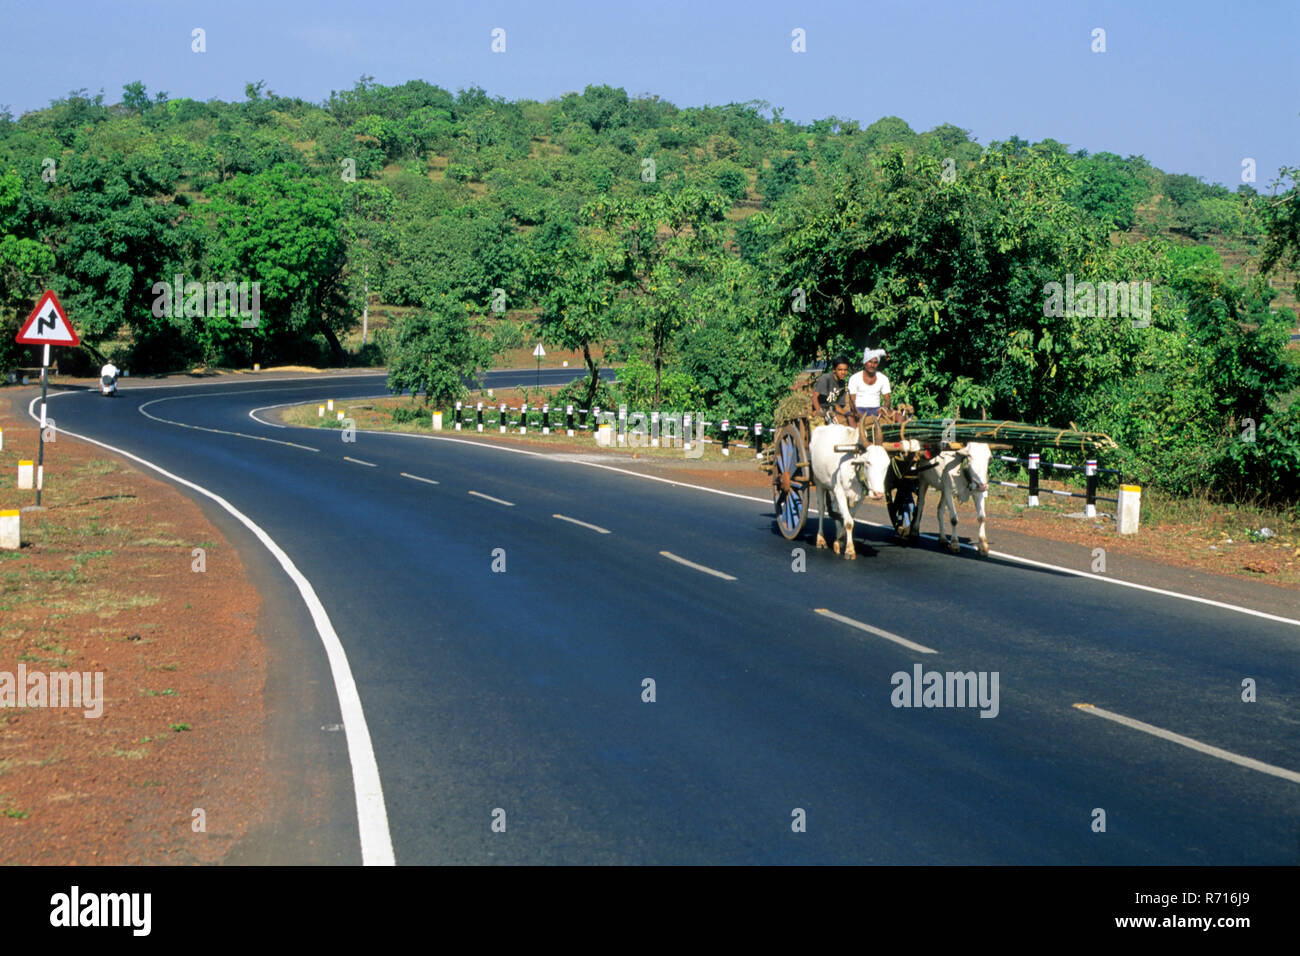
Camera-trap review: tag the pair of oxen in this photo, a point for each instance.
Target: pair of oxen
(958, 475)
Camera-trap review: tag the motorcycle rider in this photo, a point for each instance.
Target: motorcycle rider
(108, 379)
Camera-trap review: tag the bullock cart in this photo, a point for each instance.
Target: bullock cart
(913, 445)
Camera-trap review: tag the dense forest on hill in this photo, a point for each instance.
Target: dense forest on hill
(715, 250)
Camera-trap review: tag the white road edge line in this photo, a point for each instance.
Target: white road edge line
(594, 527)
(368, 464)
(372, 815)
(919, 648)
(479, 494)
(428, 481)
(1169, 735)
(1222, 605)
(698, 567)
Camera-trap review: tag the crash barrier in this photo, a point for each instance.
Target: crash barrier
(1033, 464)
(636, 428)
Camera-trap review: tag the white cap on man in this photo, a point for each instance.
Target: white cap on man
(870, 354)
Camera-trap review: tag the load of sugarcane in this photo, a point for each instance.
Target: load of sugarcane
(1018, 436)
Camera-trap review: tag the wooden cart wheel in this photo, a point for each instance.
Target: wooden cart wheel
(792, 487)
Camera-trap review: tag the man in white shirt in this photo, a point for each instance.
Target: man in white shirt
(869, 388)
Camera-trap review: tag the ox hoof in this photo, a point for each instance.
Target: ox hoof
(821, 542)
(850, 555)
(954, 547)
(984, 548)
(835, 546)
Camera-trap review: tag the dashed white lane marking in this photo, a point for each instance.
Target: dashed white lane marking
(358, 461)
(479, 494)
(372, 814)
(1222, 754)
(698, 567)
(215, 431)
(594, 527)
(919, 648)
(427, 481)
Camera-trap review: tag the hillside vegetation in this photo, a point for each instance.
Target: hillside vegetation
(715, 250)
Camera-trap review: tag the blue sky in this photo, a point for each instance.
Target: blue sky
(1194, 86)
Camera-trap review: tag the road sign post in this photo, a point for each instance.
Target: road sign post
(47, 325)
(539, 352)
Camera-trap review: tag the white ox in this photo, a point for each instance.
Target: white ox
(835, 474)
(964, 473)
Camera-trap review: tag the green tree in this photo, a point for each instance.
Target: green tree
(573, 275)
(283, 231)
(435, 351)
(665, 244)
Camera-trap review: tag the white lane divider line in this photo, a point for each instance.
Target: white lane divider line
(214, 431)
(358, 461)
(594, 527)
(1169, 735)
(479, 494)
(427, 481)
(698, 567)
(919, 648)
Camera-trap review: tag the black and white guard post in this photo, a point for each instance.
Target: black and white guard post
(1090, 488)
(47, 325)
(1033, 479)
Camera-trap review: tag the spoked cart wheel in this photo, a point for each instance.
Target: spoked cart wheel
(792, 486)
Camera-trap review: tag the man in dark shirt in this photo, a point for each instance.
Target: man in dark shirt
(829, 389)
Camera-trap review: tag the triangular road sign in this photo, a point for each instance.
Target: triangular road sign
(48, 324)
(539, 351)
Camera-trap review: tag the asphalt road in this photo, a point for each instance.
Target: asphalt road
(522, 690)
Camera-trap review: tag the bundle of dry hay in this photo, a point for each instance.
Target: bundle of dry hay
(793, 407)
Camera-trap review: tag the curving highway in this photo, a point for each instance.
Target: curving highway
(517, 696)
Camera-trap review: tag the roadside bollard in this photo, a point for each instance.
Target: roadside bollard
(758, 440)
(11, 530)
(458, 416)
(568, 420)
(502, 422)
(686, 432)
(523, 419)
(1090, 488)
(329, 404)
(622, 425)
(479, 416)
(1130, 507)
(654, 429)
(546, 418)
(25, 469)
(2, 439)
(1033, 480)
(320, 411)
(726, 436)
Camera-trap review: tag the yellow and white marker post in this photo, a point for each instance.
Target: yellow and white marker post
(11, 530)
(25, 476)
(1130, 507)
(2, 439)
